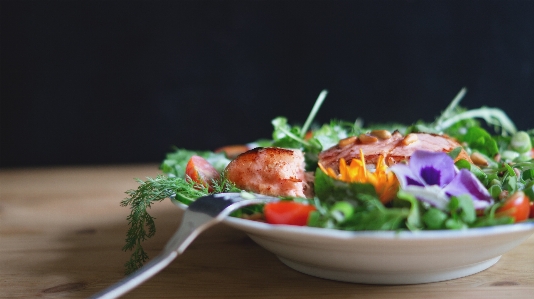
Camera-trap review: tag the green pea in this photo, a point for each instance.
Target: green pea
(521, 142)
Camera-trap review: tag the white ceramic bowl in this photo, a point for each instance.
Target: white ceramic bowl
(385, 257)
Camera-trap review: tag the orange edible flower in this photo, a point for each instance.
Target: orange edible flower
(385, 182)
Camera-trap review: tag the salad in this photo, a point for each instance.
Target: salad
(466, 169)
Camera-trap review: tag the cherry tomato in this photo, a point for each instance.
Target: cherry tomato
(232, 151)
(201, 171)
(531, 209)
(287, 212)
(516, 206)
(308, 135)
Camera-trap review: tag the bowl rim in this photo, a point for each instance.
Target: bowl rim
(251, 226)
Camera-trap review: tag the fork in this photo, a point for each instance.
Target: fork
(201, 214)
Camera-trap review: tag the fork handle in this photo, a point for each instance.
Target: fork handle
(198, 217)
(192, 224)
(148, 270)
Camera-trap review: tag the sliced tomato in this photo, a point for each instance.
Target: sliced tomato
(516, 206)
(232, 151)
(287, 212)
(201, 171)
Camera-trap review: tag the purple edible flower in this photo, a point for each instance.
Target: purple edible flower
(433, 178)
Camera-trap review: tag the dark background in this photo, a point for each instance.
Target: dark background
(111, 82)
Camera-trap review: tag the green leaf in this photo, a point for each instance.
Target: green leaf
(492, 116)
(450, 111)
(413, 222)
(453, 223)
(495, 191)
(330, 134)
(528, 174)
(509, 169)
(315, 219)
(479, 139)
(285, 135)
(529, 190)
(313, 112)
(491, 221)
(455, 152)
(387, 219)
(480, 175)
(510, 184)
(366, 213)
(434, 218)
(330, 190)
(175, 162)
(462, 209)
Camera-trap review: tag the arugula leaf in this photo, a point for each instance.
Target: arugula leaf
(285, 135)
(451, 110)
(311, 140)
(479, 139)
(330, 134)
(313, 112)
(492, 116)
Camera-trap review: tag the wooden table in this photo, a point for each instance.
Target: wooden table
(62, 229)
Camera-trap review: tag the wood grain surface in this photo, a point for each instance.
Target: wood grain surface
(62, 229)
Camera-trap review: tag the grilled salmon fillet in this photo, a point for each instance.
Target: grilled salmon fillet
(270, 171)
(394, 148)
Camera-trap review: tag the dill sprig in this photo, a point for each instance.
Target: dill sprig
(142, 225)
